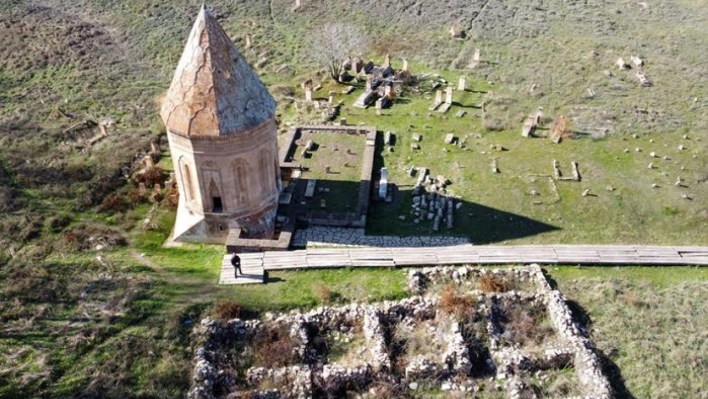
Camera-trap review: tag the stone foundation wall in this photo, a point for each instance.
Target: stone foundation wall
(450, 370)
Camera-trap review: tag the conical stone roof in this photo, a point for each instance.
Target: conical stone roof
(214, 91)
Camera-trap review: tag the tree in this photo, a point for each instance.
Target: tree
(330, 45)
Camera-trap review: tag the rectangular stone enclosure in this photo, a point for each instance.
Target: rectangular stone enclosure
(335, 163)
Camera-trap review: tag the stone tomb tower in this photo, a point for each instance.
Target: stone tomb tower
(221, 128)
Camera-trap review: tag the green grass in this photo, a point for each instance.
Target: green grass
(649, 322)
(299, 289)
(499, 207)
(657, 277)
(345, 169)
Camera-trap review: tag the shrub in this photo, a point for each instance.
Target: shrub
(32, 229)
(114, 203)
(135, 197)
(55, 224)
(325, 294)
(84, 237)
(275, 347)
(151, 176)
(227, 310)
(452, 302)
(494, 283)
(493, 124)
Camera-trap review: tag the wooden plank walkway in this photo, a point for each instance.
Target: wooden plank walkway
(254, 264)
(251, 266)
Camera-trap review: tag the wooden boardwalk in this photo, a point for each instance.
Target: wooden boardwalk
(254, 264)
(251, 266)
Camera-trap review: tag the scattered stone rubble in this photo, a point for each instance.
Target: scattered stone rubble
(431, 201)
(451, 369)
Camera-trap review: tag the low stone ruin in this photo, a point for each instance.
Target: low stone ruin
(464, 329)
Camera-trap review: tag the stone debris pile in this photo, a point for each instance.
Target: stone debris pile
(431, 201)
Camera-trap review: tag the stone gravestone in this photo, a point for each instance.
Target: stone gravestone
(449, 138)
(438, 101)
(383, 183)
(149, 164)
(379, 105)
(462, 84)
(448, 100)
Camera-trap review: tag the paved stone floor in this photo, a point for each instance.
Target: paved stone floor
(317, 237)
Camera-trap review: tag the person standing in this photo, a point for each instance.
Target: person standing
(236, 263)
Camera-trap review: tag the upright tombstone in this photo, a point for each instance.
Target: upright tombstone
(621, 64)
(438, 100)
(248, 42)
(404, 68)
(462, 83)
(476, 56)
(357, 65)
(222, 134)
(379, 106)
(308, 94)
(539, 115)
(368, 83)
(448, 100)
(331, 97)
(638, 62)
(387, 61)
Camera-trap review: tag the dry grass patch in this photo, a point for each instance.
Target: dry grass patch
(454, 303)
(494, 283)
(227, 310)
(274, 347)
(526, 324)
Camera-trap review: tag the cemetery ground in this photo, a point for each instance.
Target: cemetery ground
(74, 325)
(625, 200)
